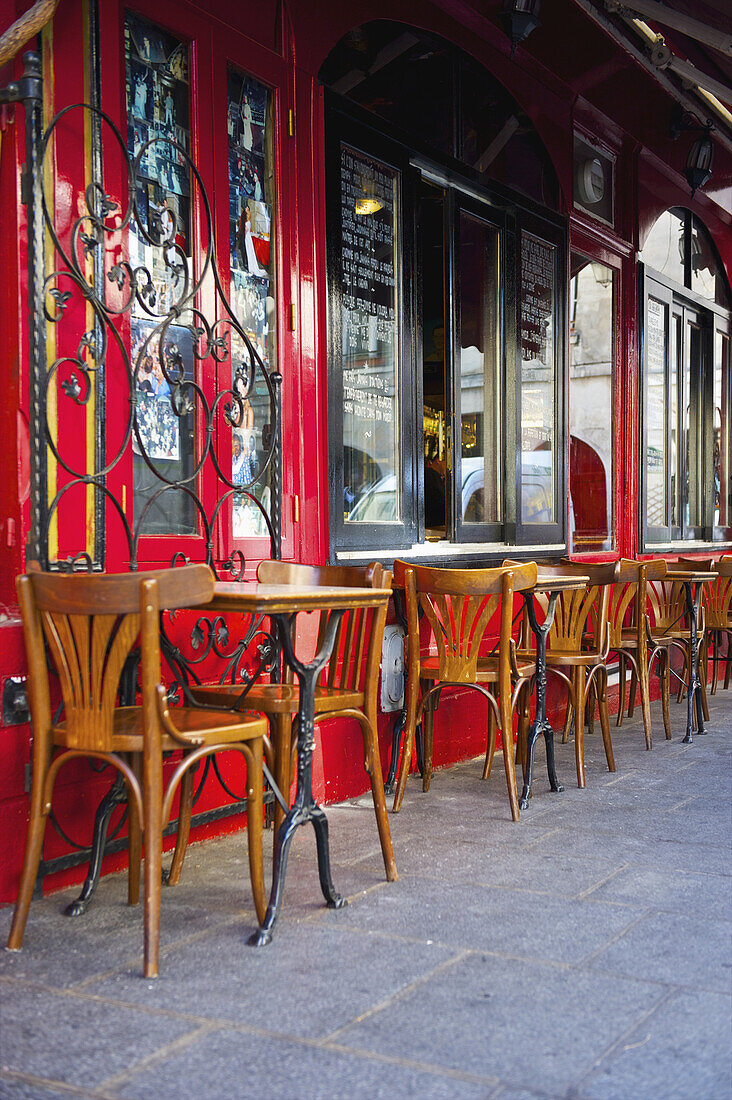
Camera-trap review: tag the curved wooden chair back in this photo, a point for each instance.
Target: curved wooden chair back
(360, 630)
(666, 604)
(717, 597)
(459, 605)
(626, 610)
(582, 615)
(91, 622)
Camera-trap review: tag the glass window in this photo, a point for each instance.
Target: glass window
(591, 390)
(722, 432)
(252, 295)
(655, 409)
(538, 378)
(664, 247)
(479, 376)
(370, 339)
(158, 127)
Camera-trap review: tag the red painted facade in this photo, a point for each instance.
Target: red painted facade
(568, 77)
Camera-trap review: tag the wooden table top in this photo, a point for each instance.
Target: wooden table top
(549, 581)
(285, 599)
(701, 576)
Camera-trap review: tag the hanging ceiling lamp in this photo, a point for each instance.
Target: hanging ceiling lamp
(699, 162)
(519, 19)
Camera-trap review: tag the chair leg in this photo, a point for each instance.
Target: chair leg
(281, 734)
(664, 659)
(255, 813)
(645, 694)
(570, 709)
(716, 637)
(185, 811)
(134, 840)
(728, 663)
(428, 726)
(605, 719)
(507, 736)
(372, 763)
(631, 693)
(622, 672)
(491, 745)
(703, 673)
(590, 703)
(579, 723)
(152, 810)
(410, 726)
(31, 861)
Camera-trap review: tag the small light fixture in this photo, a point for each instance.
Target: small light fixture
(698, 169)
(368, 205)
(699, 162)
(603, 274)
(367, 202)
(519, 19)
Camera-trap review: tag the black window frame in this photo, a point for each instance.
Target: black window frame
(683, 304)
(348, 124)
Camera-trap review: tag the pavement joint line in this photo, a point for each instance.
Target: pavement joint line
(172, 1048)
(585, 894)
(588, 959)
(618, 1043)
(399, 994)
(48, 1083)
(432, 1068)
(680, 805)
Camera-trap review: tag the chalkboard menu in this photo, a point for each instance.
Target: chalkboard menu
(370, 345)
(538, 376)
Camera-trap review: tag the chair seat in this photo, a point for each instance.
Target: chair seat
(214, 726)
(488, 668)
(277, 698)
(572, 660)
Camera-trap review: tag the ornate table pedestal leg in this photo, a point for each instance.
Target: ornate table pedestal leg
(115, 796)
(693, 695)
(304, 808)
(540, 725)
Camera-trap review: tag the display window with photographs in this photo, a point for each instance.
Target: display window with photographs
(158, 129)
(252, 288)
(163, 437)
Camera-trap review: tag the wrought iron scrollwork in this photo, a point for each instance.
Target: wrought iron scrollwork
(92, 271)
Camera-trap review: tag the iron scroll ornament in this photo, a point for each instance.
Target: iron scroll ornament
(118, 286)
(87, 274)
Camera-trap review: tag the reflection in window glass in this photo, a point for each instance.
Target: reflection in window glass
(707, 278)
(664, 247)
(158, 131)
(591, 345)
(370, 344)
(252, 293)
(656, 349)
(538, 293)
(478, 370)
(721, 441)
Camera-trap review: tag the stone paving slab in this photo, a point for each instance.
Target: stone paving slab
(584, 953)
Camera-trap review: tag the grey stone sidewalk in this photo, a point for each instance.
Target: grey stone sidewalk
(584, 952)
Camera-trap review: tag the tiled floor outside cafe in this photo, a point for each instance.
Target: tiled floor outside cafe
(584, 952)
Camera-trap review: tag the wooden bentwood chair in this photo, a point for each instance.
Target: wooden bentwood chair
(717, 604)
(347, 688)
(459, 605)
(579, 644)
(91, 622)
(629, 637)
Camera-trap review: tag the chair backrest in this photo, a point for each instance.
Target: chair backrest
(626, 610)
(459, 605)
(666, 598)
(91, 622)
(360, 631)
(717, 597)
(581, 614)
